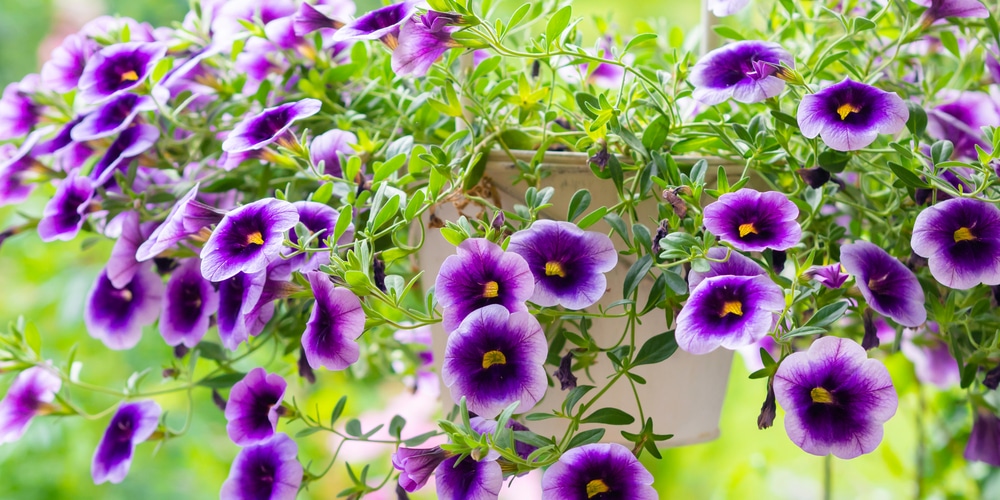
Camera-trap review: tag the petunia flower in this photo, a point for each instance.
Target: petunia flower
(310, 18)
(237, 296)
(888, 286)
(494, 359)
(961, 120)
(326, 148)
(415, 465)
(568, 263)
(728, 311)
(66, 212)
(18, 113)
(132, 424)
(186, 218)
(62, 71)
(723, 8)
(260, 130)
(112, 117)
(960, 238)
(31, 393)
(984, 441)
(116, 316)
(831, 276)
(337, 319)
(122, 265)
(190, 300)
(247, 239)
(317, 217)
(736, 265)
(849, 115)
(118, 68)
(380, 24)
(254, 407)
(835, 398)
(598, 470)
(267, 470)
(131, 143)
(16, 166)
(930, 355)
(422, 40)
(744, 71)
(752, 221)
(478, 275)
(469, 479)
(940, 9)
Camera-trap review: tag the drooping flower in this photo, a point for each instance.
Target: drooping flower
(889, 287)
(931, 357)
(237, 296)
(317, 217)
(598, 470)
(849, 115)
(751, 353)
(984, 442)
(132, 424)
(723, 8)
(18, 113)
(116, 316)
(118, 68)
(122, 265)
(422, 40)
(831, 276)
(16, 165)
(131, 143)
(494, 359)
(961, 120)
(835, 398)
(254, 407)
(940, 9)
(480, 274)
(267, 470)
(736, 265)
(469, 479)
(728, 311)
(62, 71)
(744, 71)
(65, 213)
(416, 465)
(337, 319)
(310, 18)
(112, 117)
(379, 24)
(186, 218)
(568, 263)
(960, 238)
(189, 302)
(247, 239)
(752, 221)
(260, 130)
(326, 148)
(31, 393)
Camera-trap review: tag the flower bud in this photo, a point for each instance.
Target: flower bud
(871, 331)
(768, 409)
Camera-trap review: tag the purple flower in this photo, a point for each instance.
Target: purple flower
(744, 71)
(831, 276)
(15, 171)
(940, 9)
(247, 239)
(849, 115)
(416, 465)
(254, 407)
(723, 8)
(468, 479)
(18, 114)
(835, 398)
(379, 24)
(31, 393)
(736, 265)
(238, 295)
(265, 471)
(752, 221)
(132, 424)
(728, 311)
(317, 217)
(568, 263)
(328, 147)
(889, 287)
(961, 240)
(116, 316)
(984, 442)
(931, 358)
(260, 130)
(188, 303)
(122, 265)
(422, 41)
(186, 218)
(119, 68)
(112, 117)
(961, 120)
(494, 359)
(598, 470)
(310, 18)
(65, 213)
(62, 71)
(337, 319)
(480, 274)
(132, 142)
(487, 426)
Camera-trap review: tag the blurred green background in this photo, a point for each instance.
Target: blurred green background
(47, 284)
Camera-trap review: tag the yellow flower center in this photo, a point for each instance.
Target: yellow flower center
(126, 295)
(130, 76)
(846, 109)
(596, 487)
(491, 290)
(553, 268)
(821, 395)
(493, 358)
(746, 229)
(731, 307)
(963, 234)
(255, 238)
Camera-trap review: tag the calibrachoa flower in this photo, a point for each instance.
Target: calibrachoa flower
(122, 265)
(379, 24)
(258, 131)
(744, 71)
(888, 286)
(112, 117)
(494, 359)
(189, 302)
(599, 470)
(752, 221)
(18, 114)
(468, 479)
(835, 398)
(480, 274)
(849, 115)
(728, 311)
(309, 18)
(831, 276)
(567, 262)
(131, 143)
(66, 211)
(254, 407)
(16, 165)
(961, 120)
(326, 148)
(265, 471)
(31, 393)
(337, 319)
(736, 265)
(119, 68)
(116, 316)
(931, 358)
(132, 424)
(186, 218)
(940, 9)
(723, 8)
(238, 295)
(961, 240)
(62, 71)
(416, 465)
(247, 239)
(984, 442)
(317, 217)
(422, 40)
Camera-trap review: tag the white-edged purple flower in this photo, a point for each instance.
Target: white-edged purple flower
(961, 120)
(62, 71)
(66, 211)
(469, 479)
(736, 265)
(238, 295)
(186, 218)
(247, 239)
(119, 68)
(310, 18)
(317, 217)
(744, 71)
(132, 142)
(888, 286)
(835, 398)
(728, 311)
(930, 355)
(599, 470)
(16, 166)
(415, 465)
(267, 470)
(190, 300)
(494, 359)
(337, 319)
(984, 441)
(568, 263)
(31, 393)
(18, 113)
(112, 117)
(262, 129)
(116, 316)
(254, 407)
(752, 221)
(327, 147)
(850, 115)
(960, 238)
(122, 265)
(831, 276)
(940, 9)
(422, 40)
(380, 24)
(723, 8)
(132, 424)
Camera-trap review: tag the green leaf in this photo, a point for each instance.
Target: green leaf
(344, 220)
(338, 410)
(656, 133)
(396, 426)
(323, 193)
(353, 428)
(32, 338)
(638, 40)
(656, 349)
(308, 431)
(907, 176)
(828, 314)
(610, 416)
(863, 24)
(223, 381)
(802, 332)
(586, 437)
(535, 417)
(574, 397)
(578, 204)
(593, 217)
(418, 440)
(557, 23)
(917, 122)
(387, 212)
(616, 223)
(950, 43)
(727, 32)
(636, 273)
